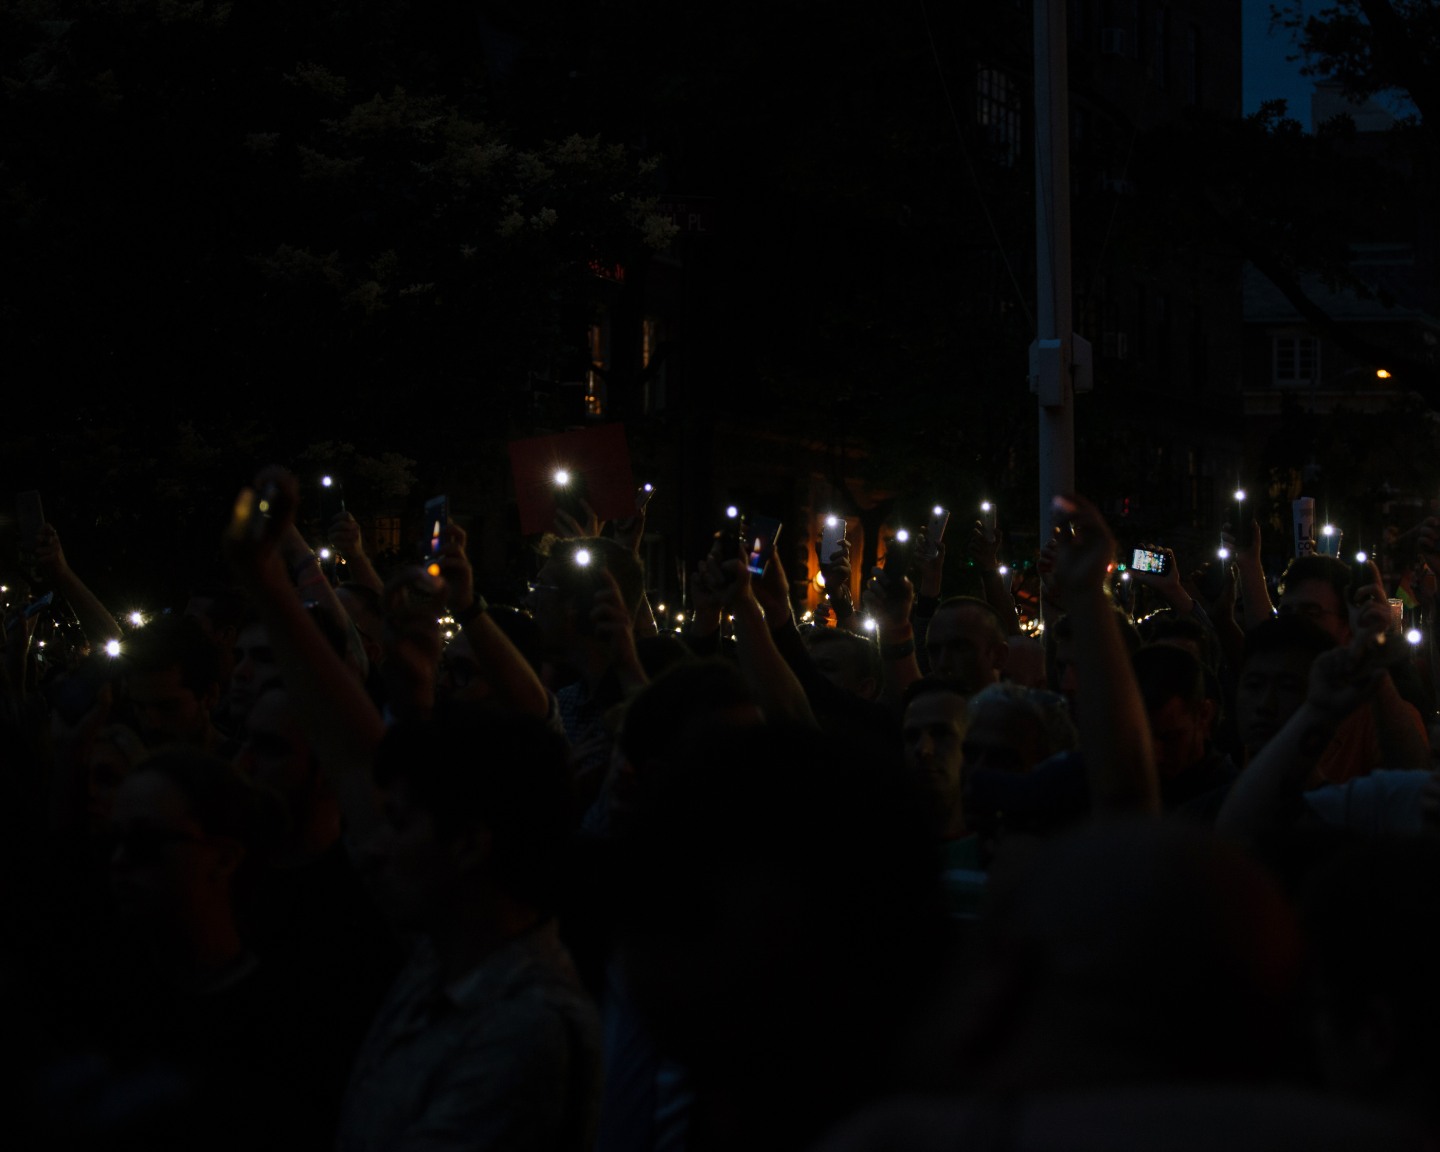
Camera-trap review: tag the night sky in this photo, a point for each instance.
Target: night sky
(1269, 74)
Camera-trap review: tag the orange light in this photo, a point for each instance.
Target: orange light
(1382, 374)
(434, 570)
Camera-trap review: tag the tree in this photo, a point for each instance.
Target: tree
(292, 211)
(1373, 48)
(235, 230)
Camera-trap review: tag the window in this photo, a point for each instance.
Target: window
(595, 376)
(385, 534)
(1297, 361)
(997, 111)
(653, 371)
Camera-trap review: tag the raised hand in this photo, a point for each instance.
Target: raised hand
(345, 536)
(568, 526)
(1083, 548)
(262, 517)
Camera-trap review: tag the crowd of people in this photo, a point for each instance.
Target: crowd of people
(367, 862)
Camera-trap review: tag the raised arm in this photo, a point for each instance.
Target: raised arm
(985, 552)
(1114, 729)
(342, 724)
(514, 680)
(891, 608)
(771, 679)
(1398, 726)
(1341, 680)
(347, 539)
(95, 620)
(1254, 593)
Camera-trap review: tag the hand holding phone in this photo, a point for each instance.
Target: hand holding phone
(832, 537)
(570, 502)
(332, 499)
(1151, 561)
(727, 535)
(437, 517)
(762, 533)
(263, 516)
(899, 555)
(935, 531)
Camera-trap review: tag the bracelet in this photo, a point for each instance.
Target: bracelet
(898, 651)
(477, 607)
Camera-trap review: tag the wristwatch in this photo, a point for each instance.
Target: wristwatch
(466, 615)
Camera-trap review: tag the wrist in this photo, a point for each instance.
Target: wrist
(1314, 722)
(301, 564)
(703, 622)
(897, 650)
(1180, 600)
(780, 617)
(891, 633)
(747, 608)
(471, 611)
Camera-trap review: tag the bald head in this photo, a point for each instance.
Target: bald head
(966, 642)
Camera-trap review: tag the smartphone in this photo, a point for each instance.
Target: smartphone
(266, 505)
(987, 519)
(332, 500)
(832, 537)
(437, 516)
(899, 554)
(727, 536)
(569, 488)
(762, 533)
(31, 518)
(1150, 560)
(586, 563)
(1362, 574)
(35, 607)
(643, 496)
(1123, 590)
(935, 531)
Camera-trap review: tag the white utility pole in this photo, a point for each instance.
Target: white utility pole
(1057, 352)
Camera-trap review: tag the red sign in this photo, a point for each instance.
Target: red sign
(597, 458)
